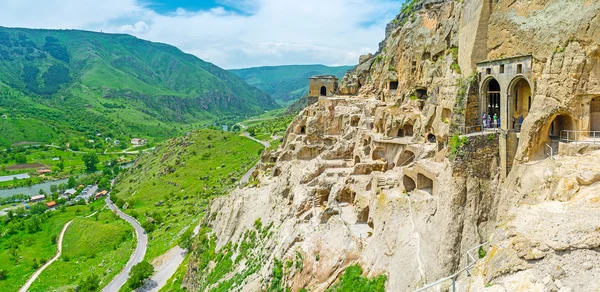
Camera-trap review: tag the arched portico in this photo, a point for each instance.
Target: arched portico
(491, 101)
(519, 101)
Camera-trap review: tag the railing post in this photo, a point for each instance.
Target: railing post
(454, 284)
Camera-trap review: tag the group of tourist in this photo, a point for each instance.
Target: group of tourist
(490, 121)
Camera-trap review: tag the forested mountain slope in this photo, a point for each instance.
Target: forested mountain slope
(69, 81)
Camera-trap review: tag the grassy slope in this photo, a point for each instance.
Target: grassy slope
(36, 246)
(113, 84)
(90, 246)
(286, 83)
(173, 184)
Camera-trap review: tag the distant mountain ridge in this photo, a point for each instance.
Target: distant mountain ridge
(120, 83)
(286, 83)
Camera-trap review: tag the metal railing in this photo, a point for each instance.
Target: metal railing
(470, 262)
(568, 136)
(549, 150)
(463, 130)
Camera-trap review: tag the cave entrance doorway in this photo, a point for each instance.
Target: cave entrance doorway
(323, 91)
(595, 114)
(431, 138)
(393, 85)
(492, 106)
(408, 130)
(400, 133)
(409, 183)
(303, 130)
(424, 183)
(560, 127)
(521, 103)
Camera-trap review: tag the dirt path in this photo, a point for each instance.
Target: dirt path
(41, 269)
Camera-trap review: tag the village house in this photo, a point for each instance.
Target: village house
(51, 205)
(68, 193)
(37, 198)
(138, 141)
(43, 171)
(101, 194)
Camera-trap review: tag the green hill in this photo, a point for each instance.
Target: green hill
(55, 83)
(286, 83)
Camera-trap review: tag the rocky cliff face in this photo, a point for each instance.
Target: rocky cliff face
(378, 177)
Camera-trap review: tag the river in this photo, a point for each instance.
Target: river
(32, 190)
(35, 189)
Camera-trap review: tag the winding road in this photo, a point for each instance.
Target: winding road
(40, 270)
(140, 250)
(172, 259)
(246, 178)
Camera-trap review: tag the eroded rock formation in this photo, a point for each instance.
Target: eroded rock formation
(378, 175)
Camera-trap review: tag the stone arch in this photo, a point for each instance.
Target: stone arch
(490, 98)
(549, 134)
(303, 130)
(409, 183)
(405, 158)
(560, 123)
(595, 114)
(519, 94)
(323, 91)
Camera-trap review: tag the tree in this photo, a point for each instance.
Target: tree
(20, 159)
(90, 160)
(139, 273)
(90, 284)
(2, 274)
(71, 183)
(61, 165)
(53, 188)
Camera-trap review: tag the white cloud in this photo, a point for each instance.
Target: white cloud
(138, 27)
(275, 32)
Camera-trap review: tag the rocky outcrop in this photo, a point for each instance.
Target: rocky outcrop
(378, 176)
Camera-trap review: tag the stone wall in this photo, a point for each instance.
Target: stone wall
(478, 157)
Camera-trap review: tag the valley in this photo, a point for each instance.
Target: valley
(459, 154)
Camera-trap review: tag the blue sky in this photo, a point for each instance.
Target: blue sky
(167, 7)
(229, 33)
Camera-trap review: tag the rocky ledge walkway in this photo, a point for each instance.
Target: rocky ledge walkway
(41, 269)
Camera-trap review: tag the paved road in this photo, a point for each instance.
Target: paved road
(167, 266)
(246, 178)
(264, 143)
(164, 270)
(136, 257)
(40, 270)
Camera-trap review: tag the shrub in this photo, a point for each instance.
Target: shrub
(139, 273)
(352, 280)
(89, 284)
